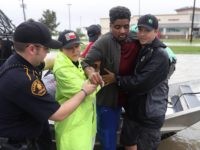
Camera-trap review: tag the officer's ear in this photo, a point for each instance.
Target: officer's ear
(31, 48)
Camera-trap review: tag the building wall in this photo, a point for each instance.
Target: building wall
(104, 22)
(171, 25)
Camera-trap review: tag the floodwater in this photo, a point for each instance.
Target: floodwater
(187, 139)
(187, 69)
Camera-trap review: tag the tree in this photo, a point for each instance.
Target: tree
(49, 19)
(79, 32)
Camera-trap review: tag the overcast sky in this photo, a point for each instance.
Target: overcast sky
(86, 12)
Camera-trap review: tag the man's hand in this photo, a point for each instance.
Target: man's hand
(93, 76)
(108, 78)
(96, 78)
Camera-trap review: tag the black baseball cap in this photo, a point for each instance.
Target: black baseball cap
(35, 32)
(93, 32)
(69, 38)
(148, 21)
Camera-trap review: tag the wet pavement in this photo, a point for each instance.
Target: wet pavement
(187, 139)
(187, 68)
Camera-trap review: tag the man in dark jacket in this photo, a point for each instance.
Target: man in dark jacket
(147, 88)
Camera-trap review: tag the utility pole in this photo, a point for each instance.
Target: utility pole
(139, 9)
(80, 21)
(23, 8)
(192, 25)
(69, 15)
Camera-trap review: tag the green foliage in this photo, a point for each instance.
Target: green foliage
(186, 49)
(79, 32)
(49, 19)
(83, 46)
(183, 46)
(179, 41)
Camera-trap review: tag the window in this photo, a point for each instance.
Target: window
(173, 30)
(173, 19)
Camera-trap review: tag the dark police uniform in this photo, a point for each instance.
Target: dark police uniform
(25, 105)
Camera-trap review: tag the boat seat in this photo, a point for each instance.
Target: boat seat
(186, 99)
(176, 104)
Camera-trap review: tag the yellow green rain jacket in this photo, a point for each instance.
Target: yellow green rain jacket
(77, 131)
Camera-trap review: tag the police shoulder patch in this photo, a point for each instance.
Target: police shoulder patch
(38, 88)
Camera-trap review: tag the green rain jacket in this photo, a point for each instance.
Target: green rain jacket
(77, 131)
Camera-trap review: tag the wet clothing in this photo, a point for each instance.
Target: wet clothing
(25, 105)
(78, 130)
(133, 133)
(118, 57)
(147, 87)
(108, 50)
(127, 63)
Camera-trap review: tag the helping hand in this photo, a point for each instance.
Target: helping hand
(95, 78)
(108, 78)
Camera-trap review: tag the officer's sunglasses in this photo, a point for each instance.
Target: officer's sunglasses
(42, 46)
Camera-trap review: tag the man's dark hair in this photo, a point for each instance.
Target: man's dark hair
(119, 12)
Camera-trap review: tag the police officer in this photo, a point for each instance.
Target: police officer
(25, 105)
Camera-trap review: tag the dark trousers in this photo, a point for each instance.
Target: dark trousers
(10, 144)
